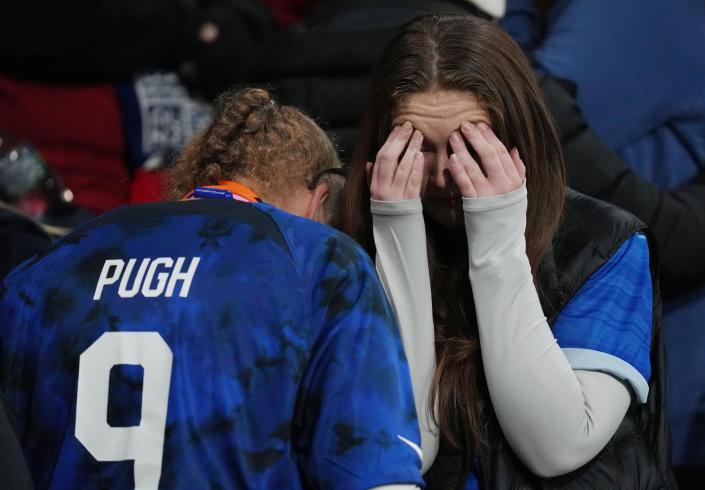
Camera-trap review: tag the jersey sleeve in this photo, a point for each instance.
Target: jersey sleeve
(607, 325)
(356, 415)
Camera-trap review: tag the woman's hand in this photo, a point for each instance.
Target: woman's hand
(504, 171)
(394, 179)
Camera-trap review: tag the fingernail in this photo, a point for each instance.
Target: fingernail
(417, 134)
(407, 126)
(467, 126)
(483, 126)
(454, 136)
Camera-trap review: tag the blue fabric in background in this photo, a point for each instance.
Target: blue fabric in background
(639, 66)
(684, 331)
(640, 70)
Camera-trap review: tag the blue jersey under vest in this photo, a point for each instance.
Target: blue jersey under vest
(206, 344)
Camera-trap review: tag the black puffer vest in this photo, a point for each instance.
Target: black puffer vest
(638, 455)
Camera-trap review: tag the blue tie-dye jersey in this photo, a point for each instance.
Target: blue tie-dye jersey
(241, 347)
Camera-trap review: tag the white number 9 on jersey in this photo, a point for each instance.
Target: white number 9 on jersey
(143, 443)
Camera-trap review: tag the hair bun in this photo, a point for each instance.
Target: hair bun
(248, 110)
(254, 137)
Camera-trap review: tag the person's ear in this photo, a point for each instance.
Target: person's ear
(316, 210)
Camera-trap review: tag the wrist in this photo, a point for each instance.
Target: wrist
(495, 227)
(491, 203)
(395, 208)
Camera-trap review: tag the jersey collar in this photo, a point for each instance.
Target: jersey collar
(225, 189)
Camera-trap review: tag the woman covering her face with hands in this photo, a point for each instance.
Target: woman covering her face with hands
(457, 189)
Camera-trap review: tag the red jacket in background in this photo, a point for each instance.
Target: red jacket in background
(78, 131)
(290, 11)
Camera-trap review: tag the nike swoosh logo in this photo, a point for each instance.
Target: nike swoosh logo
(412, 445)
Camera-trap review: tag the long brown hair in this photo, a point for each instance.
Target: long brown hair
(468, 54)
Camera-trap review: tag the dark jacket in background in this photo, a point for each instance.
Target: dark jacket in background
(20, 239)
(13, 467)
(79, 42)
(324, 65)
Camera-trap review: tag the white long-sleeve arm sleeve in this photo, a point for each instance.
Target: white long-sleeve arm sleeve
(396, 487)
(556, 419)
(402, 264)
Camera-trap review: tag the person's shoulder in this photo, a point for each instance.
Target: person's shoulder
(309, 231)
(594, 229)
(591, 233)
(585, 215)
(20, 239)
(319, 251)
(152, 226)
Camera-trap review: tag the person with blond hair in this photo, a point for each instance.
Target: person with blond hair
(219, 341)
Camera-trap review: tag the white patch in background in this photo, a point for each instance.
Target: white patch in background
(170, 116)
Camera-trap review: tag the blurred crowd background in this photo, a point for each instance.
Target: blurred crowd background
(97, 98)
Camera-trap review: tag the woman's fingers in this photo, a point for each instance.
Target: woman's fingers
(426, 174)
(461, 178)
(416, 177)
(488, 156)
(459, 147)
(505, 171)
(387, 158)
(502, 173)
(398, 172)
(380, 172)
(401, 176)
(510, 170)
(518, 164)
(471, 167)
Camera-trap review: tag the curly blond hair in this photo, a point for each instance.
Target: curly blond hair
(255, 138)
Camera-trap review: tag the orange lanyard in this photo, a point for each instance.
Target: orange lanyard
(226, 189)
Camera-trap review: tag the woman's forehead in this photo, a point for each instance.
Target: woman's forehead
(439, 112)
